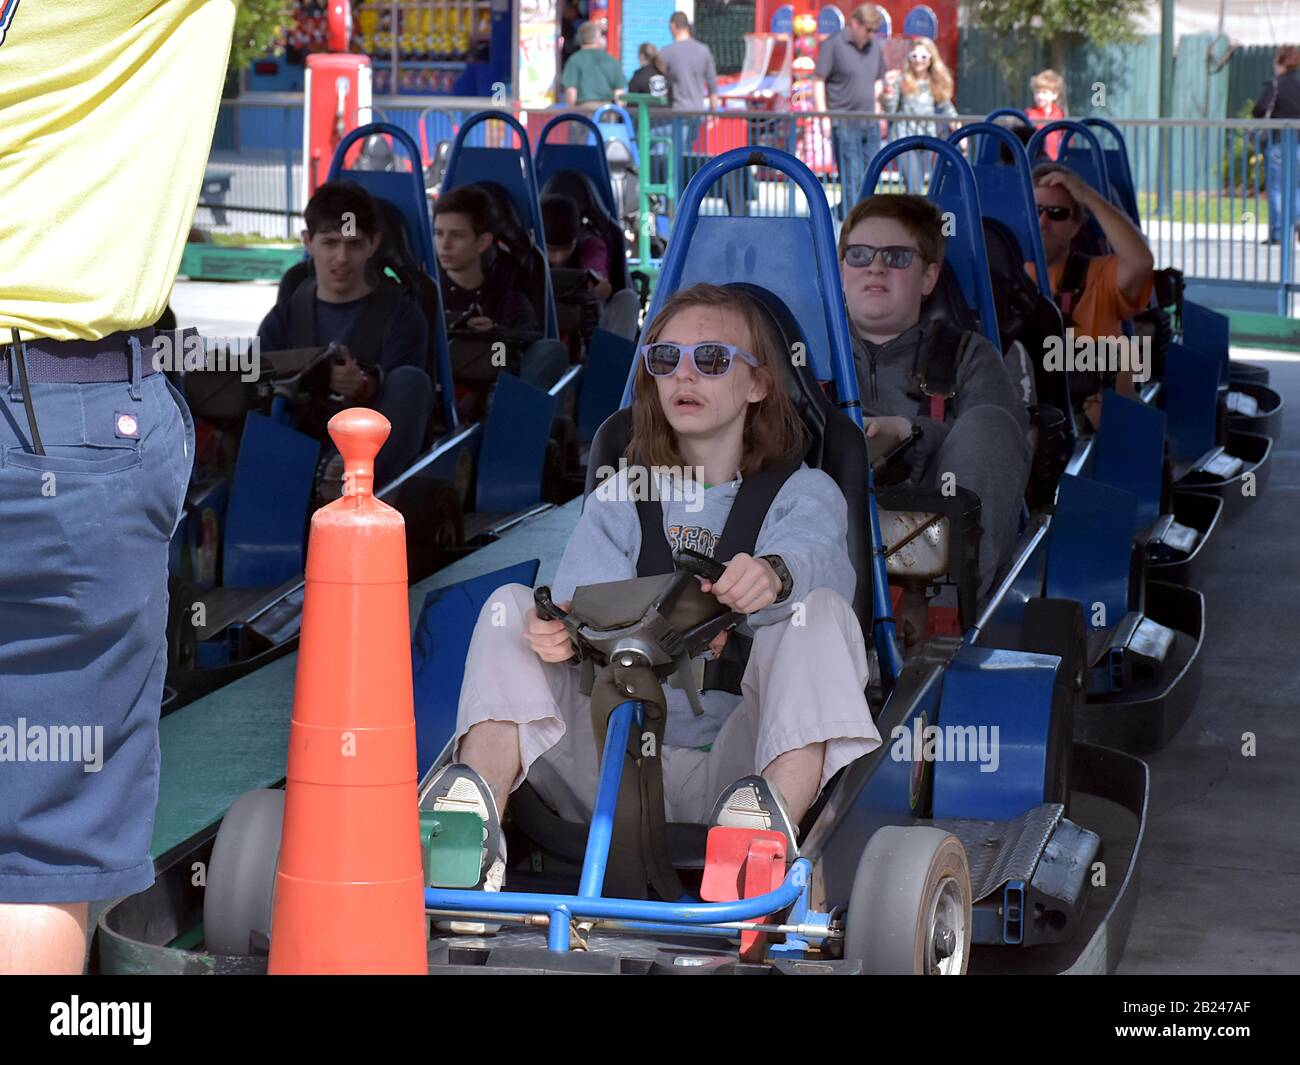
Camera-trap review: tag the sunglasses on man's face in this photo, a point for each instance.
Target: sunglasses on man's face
(1056, 214)
(896, 257)
(712, 358)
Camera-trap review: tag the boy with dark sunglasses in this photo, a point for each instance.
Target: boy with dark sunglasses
(891, 252)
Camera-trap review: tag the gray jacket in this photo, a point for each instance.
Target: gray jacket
(885, 382)
(807, 525)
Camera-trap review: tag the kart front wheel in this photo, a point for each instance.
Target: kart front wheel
(910, 909)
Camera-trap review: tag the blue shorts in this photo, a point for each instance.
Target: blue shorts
(84, 534)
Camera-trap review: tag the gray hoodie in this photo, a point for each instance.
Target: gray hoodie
(807, 525)
(885, 375)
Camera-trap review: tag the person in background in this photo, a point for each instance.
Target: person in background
(570, 245)
(923, 88)
(570, 21)
(1048, 88)
(692, 86)
(592, 75)
(1095, 293)
(850, 77)
(1281, 99)
(649, 80)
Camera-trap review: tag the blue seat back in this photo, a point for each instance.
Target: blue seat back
(589, 159)
(953, 190)
(511, 170)
(1006, 192)
(266, 519)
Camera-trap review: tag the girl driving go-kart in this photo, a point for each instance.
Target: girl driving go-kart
(713, 466)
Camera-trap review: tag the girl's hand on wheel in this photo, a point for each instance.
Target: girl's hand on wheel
(548, 639)
(746, 585)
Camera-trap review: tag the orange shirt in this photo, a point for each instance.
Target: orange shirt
(1102, 309)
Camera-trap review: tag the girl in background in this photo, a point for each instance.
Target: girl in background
(924, 87)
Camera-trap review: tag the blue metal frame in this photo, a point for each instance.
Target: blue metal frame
(1094, 171)
(1118, 169)
(588, 159)
(525, 200)
(966, 251)
(988, 152)
(624, 131)
(685, 917)
(831, 296)
(406, 192)
(994, 184)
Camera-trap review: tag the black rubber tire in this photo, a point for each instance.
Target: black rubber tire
(1056, 627)
(553, 473)
(435, 522)
(182, 637)
(240, 885)
(902, 876)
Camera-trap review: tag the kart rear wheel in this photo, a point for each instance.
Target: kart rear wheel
(910, 909)
(1055, 627)
(240, 882)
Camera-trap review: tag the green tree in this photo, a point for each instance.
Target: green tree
(1054, 26)
(259, 27)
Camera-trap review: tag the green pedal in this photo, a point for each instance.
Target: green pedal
(452, 844)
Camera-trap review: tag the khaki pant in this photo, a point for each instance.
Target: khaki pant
(803, 684)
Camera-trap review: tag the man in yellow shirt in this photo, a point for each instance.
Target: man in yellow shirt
(109, 109)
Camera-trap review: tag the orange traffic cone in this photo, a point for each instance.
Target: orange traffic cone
(349, 890)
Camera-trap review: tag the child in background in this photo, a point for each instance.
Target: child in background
(1048, 88)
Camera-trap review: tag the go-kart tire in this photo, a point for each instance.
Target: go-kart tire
(240, 883)
(1056, 627)
(553, 473)
(182, 636)
(565, 433)
(912, 886)
(435, 521)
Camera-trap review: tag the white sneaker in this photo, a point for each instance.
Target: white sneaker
(752, 802)
(457, 787)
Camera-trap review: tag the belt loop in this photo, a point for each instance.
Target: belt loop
(137, 359)
(15, 388)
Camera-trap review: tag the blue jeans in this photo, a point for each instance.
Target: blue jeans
(83, 612)
(1274, 176)
(854, 146)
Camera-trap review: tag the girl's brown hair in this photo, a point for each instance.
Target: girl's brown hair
(773, 430)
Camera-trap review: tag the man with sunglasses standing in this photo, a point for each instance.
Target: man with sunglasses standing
(1095, 293)
(850, 76)
(951, 387)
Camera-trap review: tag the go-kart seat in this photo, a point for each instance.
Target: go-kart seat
(579, 188)
(835, 445)
(517, 254)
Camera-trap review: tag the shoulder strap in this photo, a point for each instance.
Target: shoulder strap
(739, 536)
(937, 358)
(1074, 279)
(302, 315)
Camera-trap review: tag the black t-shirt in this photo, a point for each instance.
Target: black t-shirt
(493, 299)
(405, 344)
(648, 80)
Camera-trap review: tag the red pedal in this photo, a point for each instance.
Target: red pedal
(742, 863)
